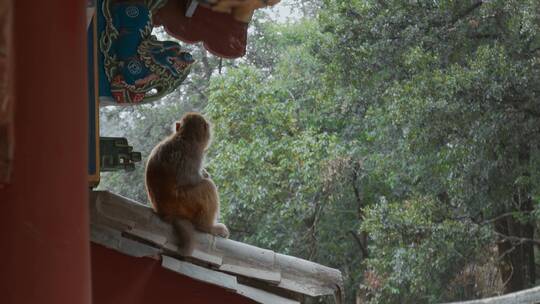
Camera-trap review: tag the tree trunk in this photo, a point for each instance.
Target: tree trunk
(511, 264)
(528, 247)
(517, 266)
(524, 199)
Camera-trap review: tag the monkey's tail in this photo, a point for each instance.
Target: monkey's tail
(185, 233)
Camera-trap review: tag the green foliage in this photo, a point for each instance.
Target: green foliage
(418, 250)
(450, 106)
(268, 163)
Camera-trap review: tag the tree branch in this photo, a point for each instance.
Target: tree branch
(468, 11)
(357, 193)
(363, 248)
(461, 15)
(501, 216)
(516, 239)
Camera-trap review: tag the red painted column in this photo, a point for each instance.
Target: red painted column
(44, 242)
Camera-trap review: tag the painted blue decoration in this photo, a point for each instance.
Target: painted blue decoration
(135, 67)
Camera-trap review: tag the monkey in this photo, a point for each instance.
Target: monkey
(177, 184)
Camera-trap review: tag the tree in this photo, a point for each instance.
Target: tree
(446, 87)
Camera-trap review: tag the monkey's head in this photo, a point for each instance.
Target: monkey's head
(195, 128)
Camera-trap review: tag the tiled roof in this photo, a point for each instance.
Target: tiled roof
(260, 274)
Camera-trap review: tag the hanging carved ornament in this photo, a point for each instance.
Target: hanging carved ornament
(221, 25)
(137, 67)
(6, 93)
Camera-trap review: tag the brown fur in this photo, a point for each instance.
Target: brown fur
(177, 185)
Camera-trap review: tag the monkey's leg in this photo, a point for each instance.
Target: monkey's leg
(209, 204)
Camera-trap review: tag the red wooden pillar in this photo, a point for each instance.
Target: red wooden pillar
(44, 242)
